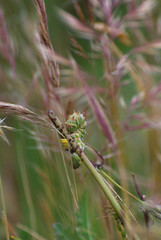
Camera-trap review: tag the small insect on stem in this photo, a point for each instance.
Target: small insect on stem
(64, 143)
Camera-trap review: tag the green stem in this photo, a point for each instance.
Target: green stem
(89, 165)
(103, 186)
(117, 185)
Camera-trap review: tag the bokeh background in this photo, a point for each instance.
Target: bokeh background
(34, 170)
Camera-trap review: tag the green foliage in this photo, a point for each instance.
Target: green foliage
(82, 229)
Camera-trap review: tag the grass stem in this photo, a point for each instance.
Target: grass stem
(89, 165)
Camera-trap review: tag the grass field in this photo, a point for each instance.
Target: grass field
(80, 119)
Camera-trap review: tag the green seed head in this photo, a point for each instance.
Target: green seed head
(76, 123)
(78, 140)
(76, 126)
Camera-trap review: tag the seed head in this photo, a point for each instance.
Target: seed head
(76, 123)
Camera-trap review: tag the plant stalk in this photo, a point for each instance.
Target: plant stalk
(117, 185)
(91, 168)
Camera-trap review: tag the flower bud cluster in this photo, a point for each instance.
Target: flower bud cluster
(76, 126)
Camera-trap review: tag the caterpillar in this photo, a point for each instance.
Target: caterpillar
(120, 228)
(119, 224)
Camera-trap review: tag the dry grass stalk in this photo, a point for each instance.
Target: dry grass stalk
(23, 112)
(49, 65)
